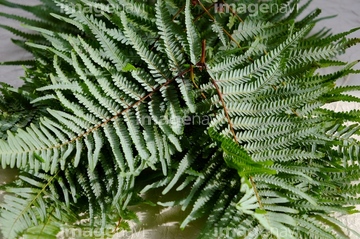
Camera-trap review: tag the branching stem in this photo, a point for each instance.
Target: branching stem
(212, 18)
(114, 117)
(202, 64)
(117, 225)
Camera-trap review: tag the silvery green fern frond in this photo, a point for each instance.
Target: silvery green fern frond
(226, 108)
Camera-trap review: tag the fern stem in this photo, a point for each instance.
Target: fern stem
(235, 138)
(34, 199)
(96, 127)
(200, 15)
(117, 225)
(129, 108)
(232, 11)
(212, 18)
(192, 78)
(178, 12)
(256, 192)
(225, 110)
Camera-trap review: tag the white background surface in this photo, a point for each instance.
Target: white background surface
(159, 222)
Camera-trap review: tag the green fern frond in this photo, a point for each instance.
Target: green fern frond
(103, 115)
(28, 205)
(193, 36)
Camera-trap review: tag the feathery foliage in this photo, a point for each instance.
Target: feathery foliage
(183, 96)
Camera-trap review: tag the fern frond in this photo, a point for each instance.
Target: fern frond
(102, 119)
(29, 204)
(193, 36)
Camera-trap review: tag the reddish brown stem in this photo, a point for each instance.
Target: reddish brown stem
(225, 110)
(212, 18)
(201, 63)
(117, 225)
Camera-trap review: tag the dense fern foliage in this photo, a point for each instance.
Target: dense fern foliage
(127, 97)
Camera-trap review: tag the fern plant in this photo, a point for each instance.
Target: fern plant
(188, 96)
